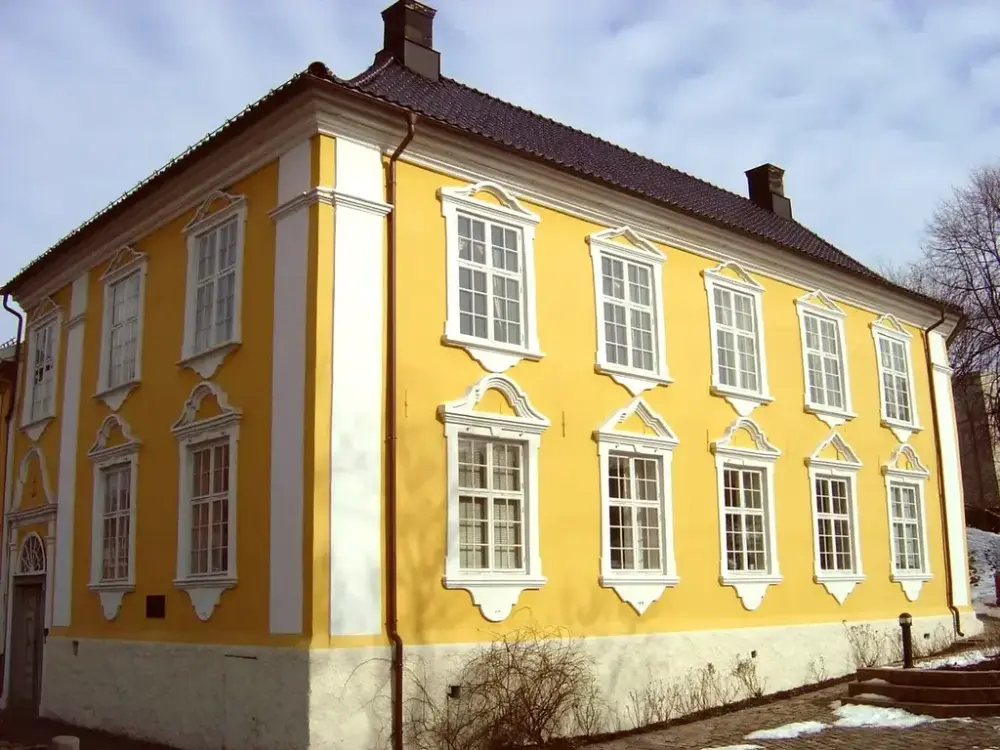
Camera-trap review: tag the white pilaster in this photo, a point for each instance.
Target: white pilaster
(356, 398)
(288, 386)
(69, 415)
(951, 471)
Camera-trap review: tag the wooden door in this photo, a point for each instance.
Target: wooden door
(27, 635)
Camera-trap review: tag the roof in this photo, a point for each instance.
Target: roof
(482, 116)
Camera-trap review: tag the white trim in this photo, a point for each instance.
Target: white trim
(492, 355)
(820, 305)
(750, 586)
(839, 584)
(205, 590)
(636, 250)
(127, 262)
(916, 476)
(889, 327)
(494, 593)
(47, 316)
(206, 362)
(104, 457)
(638, 588)
(744, 401)
(22, 476)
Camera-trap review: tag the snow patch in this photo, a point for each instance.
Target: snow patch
(854, 716)
(788, 731)
(963, 659)
(737, 747)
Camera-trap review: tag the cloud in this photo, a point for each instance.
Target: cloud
(874, 108)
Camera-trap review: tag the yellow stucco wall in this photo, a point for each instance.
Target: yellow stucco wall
(564, 387)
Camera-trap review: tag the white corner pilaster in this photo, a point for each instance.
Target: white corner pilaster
(356, 396)
(951, 470)
(62, 565)
(288, 388)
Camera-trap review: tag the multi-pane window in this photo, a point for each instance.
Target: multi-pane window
(491, 505)
(629, 316)
(634, 512)
(738, 359)
(210, 482)
(215, 286)
(490, 281)
(123, 333)
(833, 524)
(43, 375)
(823, 361)
(746, 535)
(116, 482)
(904, 503)
(895, 379)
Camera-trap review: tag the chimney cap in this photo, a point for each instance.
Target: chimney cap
(408, 38)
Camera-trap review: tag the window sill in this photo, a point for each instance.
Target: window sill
(111, 594)
(750, 588)
(205, 593)
(744, 402)
(839, 585)
(35, 429)
(207, 362)
(902, 430)
(830, 416)
(635, 381)
(491, 355)
(494, 593)
(638, 590)
(911, 583)
(115, 397)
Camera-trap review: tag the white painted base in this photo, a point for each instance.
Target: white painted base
(210, 697)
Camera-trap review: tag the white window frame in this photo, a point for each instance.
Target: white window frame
(818, 305)
(914, 474)
(625, 245)
(845, 466)
(889, 327)
(105, 454)
(495, 593)
(494, 356)
(127, 262)
(750, 585)
(206, 362)
(638, 588)
(744, 401)
(47, 316)
(205, 591)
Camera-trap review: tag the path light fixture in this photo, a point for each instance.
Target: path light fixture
(905, 624)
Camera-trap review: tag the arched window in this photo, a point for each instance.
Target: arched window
(32, 558)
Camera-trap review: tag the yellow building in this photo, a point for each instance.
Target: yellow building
(387, 368)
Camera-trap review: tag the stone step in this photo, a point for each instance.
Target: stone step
(930, 677)
(927, 693)
(937, 710)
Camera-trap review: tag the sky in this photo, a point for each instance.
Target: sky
(874, 108)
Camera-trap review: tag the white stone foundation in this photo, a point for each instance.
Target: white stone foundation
(210, 697)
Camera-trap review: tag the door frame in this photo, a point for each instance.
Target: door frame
(44, 513)
(27, 580)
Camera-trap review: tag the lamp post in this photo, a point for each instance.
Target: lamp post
(905, 622)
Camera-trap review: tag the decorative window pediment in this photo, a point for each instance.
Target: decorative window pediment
(216, 236)
(895, 377)
(635, 450)
(493, 536)
(744, 460)
(42, 368)
(736, 322)
(833, 481)
(490, 247)
(628, 291)
(824, 358)
(30, 483)
(905, 480)
(115, 459)
(207, 439)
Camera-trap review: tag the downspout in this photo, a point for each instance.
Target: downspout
(949, 584)
(8, 446)
(391, 598)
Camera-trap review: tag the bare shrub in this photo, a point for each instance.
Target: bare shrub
(703, 689)
(817, 670)
(749, 684)
(523, 689)
(656, 703)
(867, 645)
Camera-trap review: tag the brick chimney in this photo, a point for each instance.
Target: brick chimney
(766, 184)
(409, 38)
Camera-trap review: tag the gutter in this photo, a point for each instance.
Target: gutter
(391, 561)
(949, 584)
(9, 447)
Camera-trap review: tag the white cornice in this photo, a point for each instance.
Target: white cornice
(334, 113)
